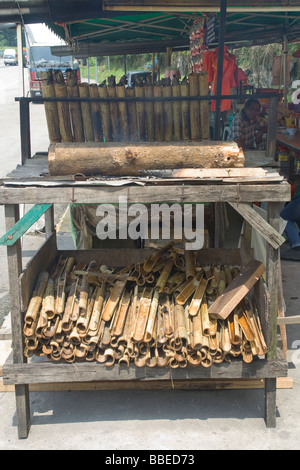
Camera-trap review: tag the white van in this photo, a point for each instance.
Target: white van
(10, 57)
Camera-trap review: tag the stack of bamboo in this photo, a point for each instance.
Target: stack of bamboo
(148, 121)
(154, 313)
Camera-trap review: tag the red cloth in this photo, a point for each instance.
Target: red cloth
(231, 74)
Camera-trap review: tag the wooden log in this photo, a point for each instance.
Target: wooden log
(96, 116)
(75, 108)
(50, 107)
(158, 114)
(105, 114)
(122, 106)
(62, 107)
(86, 113)
(132, 159)
(204, 106)
(185, 111)
(194, 108)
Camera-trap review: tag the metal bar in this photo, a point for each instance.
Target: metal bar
(25, 130)
(220, 69)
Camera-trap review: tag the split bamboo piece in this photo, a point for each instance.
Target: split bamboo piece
(140, 113)
(122, 106)
(75, 108)
(158, 114)
(185, 111)
(194, 108)
(167, 113)
(86, 112)
(96, 114)
(114, 112)
(204, 105)
(130, 93)
(105, 113)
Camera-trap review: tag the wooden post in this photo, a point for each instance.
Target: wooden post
(14, 257)
(272, 127)
(25, 130)
(220, 68)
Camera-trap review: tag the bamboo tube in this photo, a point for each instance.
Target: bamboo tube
(197, 297)
(86, 112)
(62, 107)
(66, 322)
(216, 277)
(105, 113)
(130, 93)
(158, 114)
(48, 300)
(204, 106)
(152, 317)
(97, 308)
(149, 110)
(185, 111)
(162, 280)
(83, 295)
(75, 108)
(140, 113)
(36, 300)
(194, 108)
(84, 319)
(113, 299)
(205, 316)
(142, 315)
(176, 111)
(187, 292)
(168, 114)
(153, 259)
(96, 113)
(228, 275)
(120, 318)
(225, 337)
(50, 107)
(189, 264)
(114, 112)
(122, 106)
(197, 335)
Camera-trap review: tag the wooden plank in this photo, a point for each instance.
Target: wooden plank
(147, 194)
(292, 320)
(237, 290)
(196, 384)
(48, 372)
(21, 227)
(271, 235)
(219, 173)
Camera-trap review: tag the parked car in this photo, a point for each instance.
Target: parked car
(10, 57)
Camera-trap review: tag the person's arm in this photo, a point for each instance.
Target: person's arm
(262, 129)
(235, 131)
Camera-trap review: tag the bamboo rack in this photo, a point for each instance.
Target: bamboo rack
(154, 313)
(125, 121)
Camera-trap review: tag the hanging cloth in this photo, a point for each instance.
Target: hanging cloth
(210, 64)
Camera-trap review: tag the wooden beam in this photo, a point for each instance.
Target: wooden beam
(259, 223)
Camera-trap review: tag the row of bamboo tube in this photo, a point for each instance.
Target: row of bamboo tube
(151, 121)
(150, 314)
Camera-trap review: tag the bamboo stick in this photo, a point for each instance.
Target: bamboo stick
(75, 108)
(86, 111)
(158, 114)
(149, 110)
(62, 107)
(168, 114)
(105, 113)
(185, 111)
(204, 106)
(50, 107)
(130, 93)
(140, 113)
(96, 113)
(122, 106)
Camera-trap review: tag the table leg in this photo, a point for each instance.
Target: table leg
(14, 257)
(270, 403)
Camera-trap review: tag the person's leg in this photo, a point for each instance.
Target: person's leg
(291, 213)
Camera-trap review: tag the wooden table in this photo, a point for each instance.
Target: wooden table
(290, 141)
(39, 190)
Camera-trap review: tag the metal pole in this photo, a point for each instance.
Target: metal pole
(285, 58)
(220, 68)
(20, 60)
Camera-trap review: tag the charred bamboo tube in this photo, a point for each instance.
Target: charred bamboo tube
(153, 259)
(228, 275)
(125, 359)
(113, 299)
(50, 107)
(245, 325)
(164, 276)
(176, 110)
(185, 111)
(96, 113)
(114, 112)
(105, 114)
(258, 337)
(194, 108)
(140, 113)
(85, 315)
(97, 309)
(149, 110)
(216, 277)
(161, 359)
(197, 335)
(247, 352)
(151, 358)
(122, 105)
(62, 107)
(168, 115)
(110, 357)
(83, 296)
(75, 108)
(158, 114)
(152, 317)
(204, 105)
(142, 315)
(198, 296)
(189, 264)
(121, 314)
(130, 93)
(66, 320)
(86, 112)
(36, 300)
(187, 292)
(74, 337)
(225, 337)
(205, 316)
(49, 301)
(179, 314)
